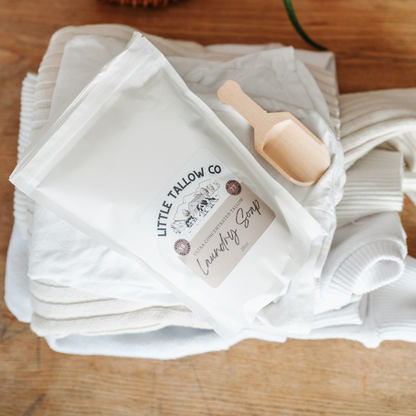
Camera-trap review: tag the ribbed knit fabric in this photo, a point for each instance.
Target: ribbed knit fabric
(364, 256)
(409, 185)
(374, 184)
(351, 314)
(409, 181)
(393, 307)
(391, 314)
(328, 85)
(26, 111)
(372, 118)
(377, 261)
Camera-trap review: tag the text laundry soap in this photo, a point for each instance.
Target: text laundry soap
(141, 164)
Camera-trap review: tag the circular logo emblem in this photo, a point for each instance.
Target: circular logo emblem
(182, 247)
(233, 187)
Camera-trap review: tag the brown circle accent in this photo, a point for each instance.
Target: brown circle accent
(233, 187)
(182, 247)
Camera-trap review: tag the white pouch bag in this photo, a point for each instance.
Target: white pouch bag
(141, 164)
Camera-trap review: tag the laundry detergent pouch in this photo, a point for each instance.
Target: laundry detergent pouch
(142, 165)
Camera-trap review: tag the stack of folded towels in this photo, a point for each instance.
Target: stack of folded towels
(359, 284)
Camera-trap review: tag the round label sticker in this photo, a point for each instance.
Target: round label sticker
(182, 247)
(233, 187)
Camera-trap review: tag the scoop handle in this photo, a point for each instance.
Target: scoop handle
(231, 93)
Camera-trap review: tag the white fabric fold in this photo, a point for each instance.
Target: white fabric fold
(17, 292)
(373, 118)
(26, 112)
(409, 185)
(373, 185)
(391, 314)
(364, 256)
(351, 314)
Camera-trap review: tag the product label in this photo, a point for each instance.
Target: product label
(208, 217)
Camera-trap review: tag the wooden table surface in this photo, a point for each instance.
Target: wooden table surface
(375, 46)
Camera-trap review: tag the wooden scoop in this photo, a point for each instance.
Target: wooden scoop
(280, 138)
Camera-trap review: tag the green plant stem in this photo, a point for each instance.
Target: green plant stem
(298, 27)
